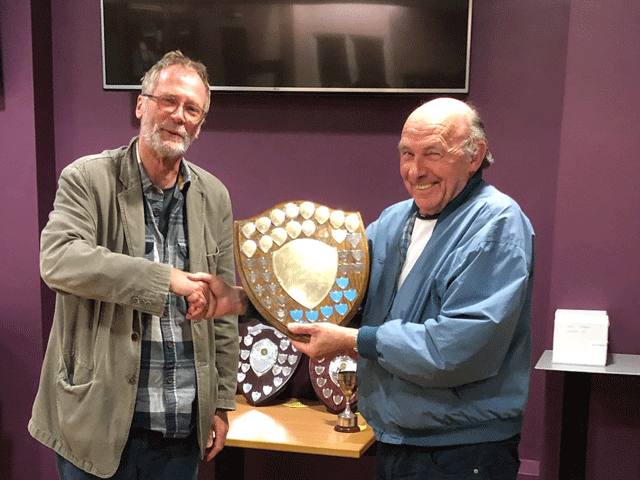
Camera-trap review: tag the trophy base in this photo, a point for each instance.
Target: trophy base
(347, 429)
(347, 424)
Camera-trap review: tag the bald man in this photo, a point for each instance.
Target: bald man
(444, 340)
(444, 337)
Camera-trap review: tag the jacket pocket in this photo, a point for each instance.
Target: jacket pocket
(75, 410)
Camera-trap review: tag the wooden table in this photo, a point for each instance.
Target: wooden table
(304, 427)
(295, 427)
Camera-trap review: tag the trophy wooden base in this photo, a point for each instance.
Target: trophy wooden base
(343, 429)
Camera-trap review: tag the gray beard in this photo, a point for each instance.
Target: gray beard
(152, 137)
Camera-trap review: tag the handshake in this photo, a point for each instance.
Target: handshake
(207, 296)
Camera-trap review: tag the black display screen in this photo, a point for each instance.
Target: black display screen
(403, 46)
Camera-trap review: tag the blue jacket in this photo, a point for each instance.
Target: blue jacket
(446, 359)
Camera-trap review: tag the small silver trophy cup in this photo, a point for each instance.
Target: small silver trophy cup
(347, 420)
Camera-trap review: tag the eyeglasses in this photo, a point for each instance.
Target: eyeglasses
(170, 104)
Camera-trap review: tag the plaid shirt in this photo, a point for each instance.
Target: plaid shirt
(167, 386)
(407, 231)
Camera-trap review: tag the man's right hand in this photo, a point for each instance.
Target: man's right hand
(181, 285)
(198, 296)
(224, 299)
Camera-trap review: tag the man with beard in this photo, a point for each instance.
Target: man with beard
(133, 384)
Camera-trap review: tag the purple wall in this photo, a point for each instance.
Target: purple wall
(556, 82)
(595, 257)
(517, 74)
(20, 316)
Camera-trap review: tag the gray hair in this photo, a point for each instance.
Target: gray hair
(476, 134)
(176, 57)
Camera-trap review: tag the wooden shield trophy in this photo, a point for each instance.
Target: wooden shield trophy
(267, 362)
(303, 262)
(323, 374)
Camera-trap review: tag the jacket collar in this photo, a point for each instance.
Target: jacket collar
(467, 192)
(129, 173)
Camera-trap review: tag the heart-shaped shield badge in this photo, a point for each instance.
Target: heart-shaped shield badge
(303, 262)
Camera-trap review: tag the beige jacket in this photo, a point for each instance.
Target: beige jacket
(92, 253)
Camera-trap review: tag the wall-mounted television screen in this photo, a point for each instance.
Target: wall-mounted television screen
(385, 46)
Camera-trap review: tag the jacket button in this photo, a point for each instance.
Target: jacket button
(135, 336)
(132, 380)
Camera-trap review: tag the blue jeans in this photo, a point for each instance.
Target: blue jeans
(147, 456)
(480, 461)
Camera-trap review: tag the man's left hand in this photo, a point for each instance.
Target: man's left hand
(325, 338)
(217, 435)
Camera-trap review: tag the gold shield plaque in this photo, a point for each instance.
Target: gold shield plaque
(301, 261)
